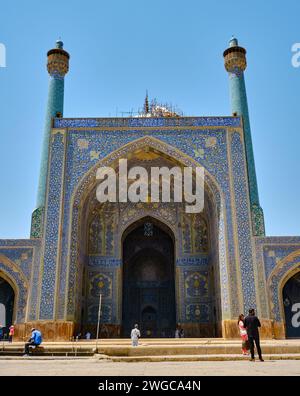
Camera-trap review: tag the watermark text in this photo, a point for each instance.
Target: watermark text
(2, 55)
(162, 185)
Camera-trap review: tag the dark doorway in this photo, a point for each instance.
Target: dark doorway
(148, 280)
(7, 297)
(291, 302)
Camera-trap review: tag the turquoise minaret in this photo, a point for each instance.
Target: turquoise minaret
(57, 66)
(235, 64)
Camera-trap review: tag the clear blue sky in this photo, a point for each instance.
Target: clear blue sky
(174, 49)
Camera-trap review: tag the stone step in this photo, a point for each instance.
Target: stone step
(158, 341)
(45, 357)
(153, 348)
(55, 353)
(17, 350)
(163, 350)
(199, 358)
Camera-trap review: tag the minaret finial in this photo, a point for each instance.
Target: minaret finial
(233, 42)
(59, 43)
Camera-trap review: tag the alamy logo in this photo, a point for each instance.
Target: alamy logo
(296, 316)
(296, 57)
(136, 185)
(2, 55)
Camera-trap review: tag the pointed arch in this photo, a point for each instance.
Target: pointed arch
(149, 286)
(88, 182)
(12, 274)
(284, 270)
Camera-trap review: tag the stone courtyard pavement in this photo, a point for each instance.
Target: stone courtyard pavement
(94, 367)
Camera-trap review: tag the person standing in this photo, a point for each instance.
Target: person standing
(243, 334)
(11, 333)
(35, 340)
(135, 335)
(252, 324)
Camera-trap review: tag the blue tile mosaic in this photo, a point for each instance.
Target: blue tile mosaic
(243, 223)
(146, 122)
(52, 276)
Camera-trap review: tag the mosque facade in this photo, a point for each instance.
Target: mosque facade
(152, 262)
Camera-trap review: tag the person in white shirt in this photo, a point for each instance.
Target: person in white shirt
(135, 335)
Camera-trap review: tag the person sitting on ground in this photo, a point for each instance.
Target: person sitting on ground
(34, 341)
